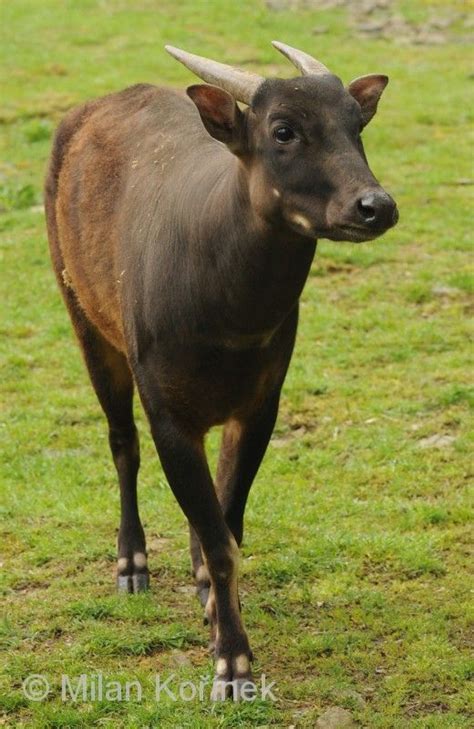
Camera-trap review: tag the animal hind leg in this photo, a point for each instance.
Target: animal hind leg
(113, 383)
(199, 568)
(112, 380)
(242, 449)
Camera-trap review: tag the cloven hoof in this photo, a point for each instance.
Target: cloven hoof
(132, 584)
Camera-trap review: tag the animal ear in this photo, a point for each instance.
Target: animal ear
(219, 113)
(367, 91)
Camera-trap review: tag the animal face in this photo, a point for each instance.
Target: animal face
(306, 159)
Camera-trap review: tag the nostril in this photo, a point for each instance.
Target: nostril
(366, 209)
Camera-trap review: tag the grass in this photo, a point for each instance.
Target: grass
(355, 583)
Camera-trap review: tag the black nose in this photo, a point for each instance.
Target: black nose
(377, 210)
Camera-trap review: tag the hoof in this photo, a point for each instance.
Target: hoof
(221, 689)
(202, 591)
(132, 584)
(233, 679)
(141, 582)
(239, 689)
(243, 689)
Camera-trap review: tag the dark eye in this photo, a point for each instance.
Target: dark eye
(283, 134)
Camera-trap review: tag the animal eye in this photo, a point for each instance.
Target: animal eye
(283, 134)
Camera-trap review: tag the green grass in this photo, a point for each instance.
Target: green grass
(355, 583)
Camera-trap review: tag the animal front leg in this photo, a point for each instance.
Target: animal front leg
(185, 465)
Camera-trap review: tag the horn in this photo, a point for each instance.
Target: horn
(241, 84)
(308, 65)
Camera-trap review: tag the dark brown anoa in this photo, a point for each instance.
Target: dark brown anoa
(182, 230)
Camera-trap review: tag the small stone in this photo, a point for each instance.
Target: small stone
(441, 23)
(376, 26)
(180, 659)
(429, 38)
(436, 441)
(441, 290)
(298, 431)
(185, 589)
(335, 718)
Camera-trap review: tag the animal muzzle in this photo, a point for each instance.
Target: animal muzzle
(376, 210)
(370, 214)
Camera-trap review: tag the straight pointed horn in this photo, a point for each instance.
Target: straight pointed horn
(241, 84)
(308, 65)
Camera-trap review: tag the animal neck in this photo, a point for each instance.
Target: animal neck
(256, 267)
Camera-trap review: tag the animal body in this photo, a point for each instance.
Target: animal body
(182, 229)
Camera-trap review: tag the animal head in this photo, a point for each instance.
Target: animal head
(300, 142)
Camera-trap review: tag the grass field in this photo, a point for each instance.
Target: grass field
(355, 571)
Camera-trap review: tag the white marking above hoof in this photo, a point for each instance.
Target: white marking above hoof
(139, 560)
(242, 664)
(122, 564)
(221, 666)
(202, 575)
